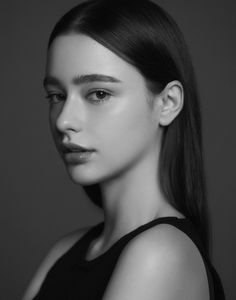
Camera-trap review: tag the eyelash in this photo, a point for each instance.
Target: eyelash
(50, 96)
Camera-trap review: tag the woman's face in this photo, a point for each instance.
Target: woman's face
(108, 112)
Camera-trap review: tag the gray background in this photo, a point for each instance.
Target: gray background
(39, 203)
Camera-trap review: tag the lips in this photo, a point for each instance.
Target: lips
(71, 147)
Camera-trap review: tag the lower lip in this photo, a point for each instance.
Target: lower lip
(78, 157)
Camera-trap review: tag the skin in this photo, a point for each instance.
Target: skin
(125, 131)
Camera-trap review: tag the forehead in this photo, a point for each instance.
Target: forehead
(75, 54)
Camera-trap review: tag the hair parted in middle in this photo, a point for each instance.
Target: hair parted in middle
(146, 36)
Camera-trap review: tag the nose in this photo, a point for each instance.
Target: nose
(70, 116)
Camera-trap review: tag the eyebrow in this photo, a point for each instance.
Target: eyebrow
(80, 79)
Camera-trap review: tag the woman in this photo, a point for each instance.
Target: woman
(125, 118)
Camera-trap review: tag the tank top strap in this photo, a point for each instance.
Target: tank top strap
(181, 223)
(73, 262)
(185, 225)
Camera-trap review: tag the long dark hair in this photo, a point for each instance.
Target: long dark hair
(147, 37)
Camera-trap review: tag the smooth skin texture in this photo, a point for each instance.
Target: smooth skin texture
(137, 274)
(114, 117)
(161, 263)
(123, 129)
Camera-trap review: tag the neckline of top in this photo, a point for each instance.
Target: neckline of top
(98, 228)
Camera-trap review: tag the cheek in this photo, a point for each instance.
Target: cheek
(126, 131)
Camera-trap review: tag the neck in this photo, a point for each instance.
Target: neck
(132, 200)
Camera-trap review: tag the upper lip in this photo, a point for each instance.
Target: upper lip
(70, 147)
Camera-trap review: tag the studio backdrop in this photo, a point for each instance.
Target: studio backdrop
(39, 203)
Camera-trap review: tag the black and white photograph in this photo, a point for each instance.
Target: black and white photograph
(118, 150)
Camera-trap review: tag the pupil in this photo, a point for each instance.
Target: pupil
(100, 94)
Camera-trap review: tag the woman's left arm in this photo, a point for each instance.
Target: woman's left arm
(160, 264)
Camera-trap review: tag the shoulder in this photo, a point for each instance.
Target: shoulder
(161, 261)
(61, 246)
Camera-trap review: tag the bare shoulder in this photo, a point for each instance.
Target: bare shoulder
(62, 245)
(161, 261)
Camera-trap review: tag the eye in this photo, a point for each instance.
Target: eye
(98, 96)
(55, 97)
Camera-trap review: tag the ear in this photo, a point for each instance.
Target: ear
(171, 101)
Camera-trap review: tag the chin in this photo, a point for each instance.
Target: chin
(82, 176)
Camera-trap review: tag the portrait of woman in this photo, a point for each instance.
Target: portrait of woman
(125, 117)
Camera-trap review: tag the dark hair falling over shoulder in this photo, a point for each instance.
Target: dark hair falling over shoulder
(146, 36)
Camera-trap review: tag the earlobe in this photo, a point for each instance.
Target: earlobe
(172, 100)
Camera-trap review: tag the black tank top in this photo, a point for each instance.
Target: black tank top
(72, 277)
